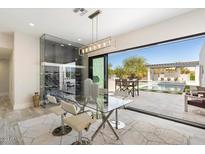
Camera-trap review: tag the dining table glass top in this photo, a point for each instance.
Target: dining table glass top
(103, 103)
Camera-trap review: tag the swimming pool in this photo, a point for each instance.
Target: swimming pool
(164, 87)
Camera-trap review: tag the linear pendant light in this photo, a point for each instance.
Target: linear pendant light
(98, 44)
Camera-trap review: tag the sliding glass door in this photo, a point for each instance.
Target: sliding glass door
(98, 70)
(166, 73)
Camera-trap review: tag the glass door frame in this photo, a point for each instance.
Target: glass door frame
(90, 68)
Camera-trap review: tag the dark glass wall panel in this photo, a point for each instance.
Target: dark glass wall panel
(61, 67)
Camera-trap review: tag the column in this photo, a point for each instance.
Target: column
(152, 74)
(197, 75)
(148, 74)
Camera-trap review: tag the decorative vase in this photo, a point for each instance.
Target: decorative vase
(36, 100)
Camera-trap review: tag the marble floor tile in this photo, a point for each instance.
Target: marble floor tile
(35, 126)
(136, 133)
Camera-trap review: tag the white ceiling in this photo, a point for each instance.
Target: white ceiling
(66, 24)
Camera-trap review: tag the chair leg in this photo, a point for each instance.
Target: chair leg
(61, 130)
(62, 124)
(80, 137)
(81, 140)
(185, 103)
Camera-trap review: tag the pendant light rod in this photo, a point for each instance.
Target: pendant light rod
(92, 30)
(94, 18)
(95, 44)
(96, 27)
(93, 15)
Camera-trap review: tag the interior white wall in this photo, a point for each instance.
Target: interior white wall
(6, 40)
(4, 77)
(11, 80)
(6, 43)
(26, 72)
(183, 25)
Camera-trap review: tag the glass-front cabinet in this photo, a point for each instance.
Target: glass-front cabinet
(61, 67)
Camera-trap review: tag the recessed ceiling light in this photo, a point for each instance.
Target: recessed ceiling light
(79, 39)
(69, 44)
(31, 24)
(62, 45)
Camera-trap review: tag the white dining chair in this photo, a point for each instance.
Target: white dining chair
(78, 121)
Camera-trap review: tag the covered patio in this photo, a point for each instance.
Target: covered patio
(174, 76)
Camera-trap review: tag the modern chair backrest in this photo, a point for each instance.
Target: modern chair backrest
(193, 88)
(69, 107)
(87, 88)
(95, 91)
(102, 91)
(51, 99)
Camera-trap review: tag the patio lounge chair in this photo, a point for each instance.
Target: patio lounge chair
(195, 98)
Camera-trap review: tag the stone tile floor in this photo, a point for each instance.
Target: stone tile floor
(22, 127)
(39, 131)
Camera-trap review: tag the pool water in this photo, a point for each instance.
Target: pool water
(165, 87)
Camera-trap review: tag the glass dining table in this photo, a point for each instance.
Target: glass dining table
(105, 105)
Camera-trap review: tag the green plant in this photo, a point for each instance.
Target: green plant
(187, 88)
(184, 70)
(110, 70)
(70, 75)
(192, 76)
(120, 72)
(135, 67)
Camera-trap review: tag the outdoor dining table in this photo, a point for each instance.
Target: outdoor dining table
(106, 106)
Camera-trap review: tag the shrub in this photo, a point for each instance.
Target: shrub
(119, 72)
(187, 88)
(192, 76)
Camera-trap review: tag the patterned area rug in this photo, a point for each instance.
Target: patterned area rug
(39, 131)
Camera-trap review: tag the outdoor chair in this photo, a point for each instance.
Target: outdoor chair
(195, 98)
(118, 84)
(121, 94)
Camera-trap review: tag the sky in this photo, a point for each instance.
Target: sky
(180, 51)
